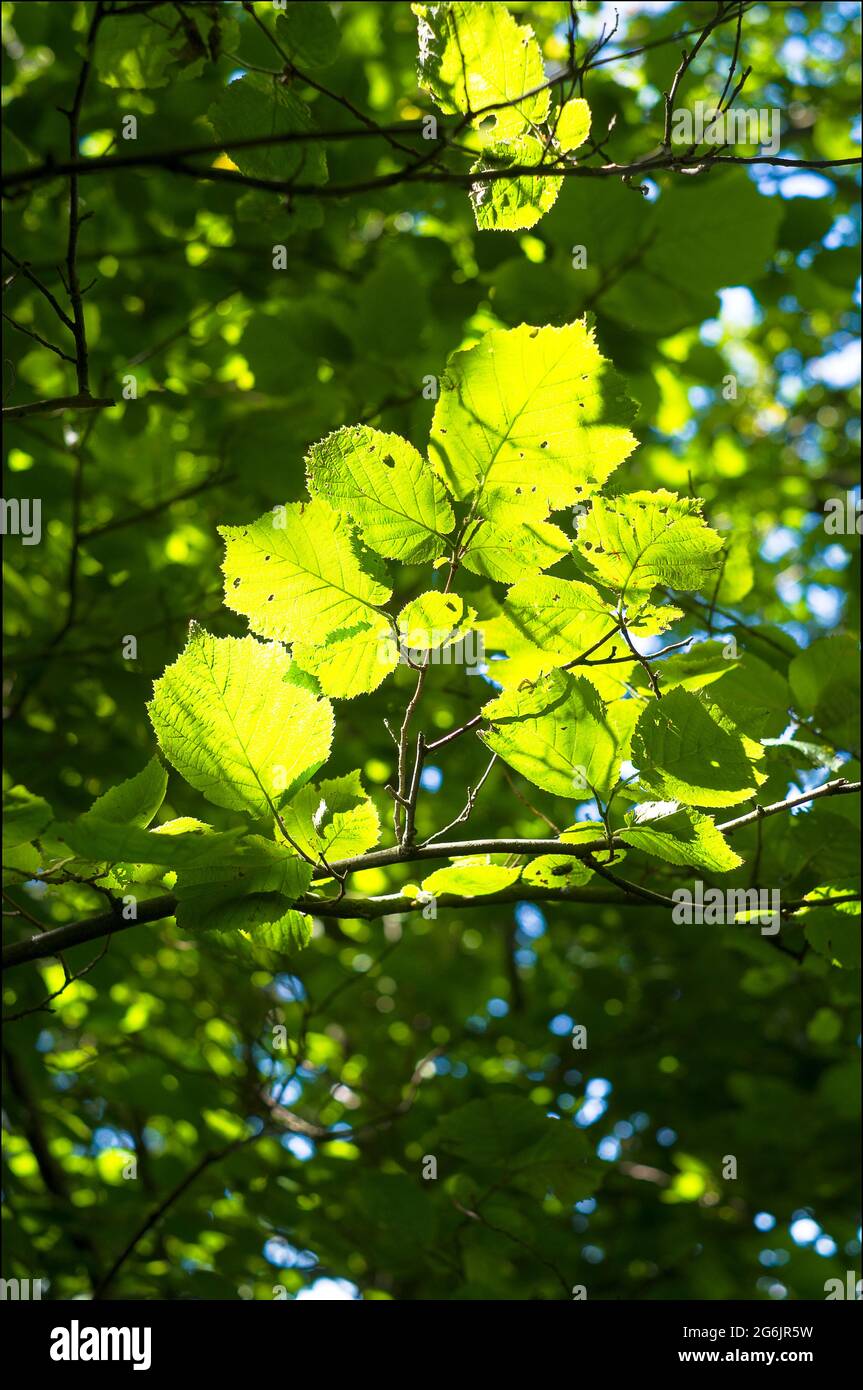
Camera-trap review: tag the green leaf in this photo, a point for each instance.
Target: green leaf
(24, 816)
(124, 873)
(508, 553)
(471, 877)
(508, 1134)
(796, 754)
(825, 681)
(555, 621)
(556, 871)
(258, 206)
(350, 663)
(386, 487)
(561, 1161)
(737, 574)
(572, 125)
(686, 750)
(752, 694)
(431, 620)
(519, 201)
(309, 32)
(562, 617)
(112, 842)
(528, 420)
(257, 889)
(333, 818)
(396, 1203)
(474, 56)
(136, 801)
(254, 105)
(493, 1132)
(253, 924)
(691, 247)
(297, 576)
(835, 934)
(20, 863)
(643, 539)
(558, 735)
(233, 722)
(257, 866)
(136, 54)
(679, 837)
(100, 831)
(820, 846)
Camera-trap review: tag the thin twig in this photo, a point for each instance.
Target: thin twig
(43, 342)
(464, 814)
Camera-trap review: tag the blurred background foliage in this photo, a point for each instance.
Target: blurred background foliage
(702, 1042)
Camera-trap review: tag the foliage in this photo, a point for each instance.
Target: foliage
(516, 430)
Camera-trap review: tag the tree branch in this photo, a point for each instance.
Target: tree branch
(174, 162)
(838, 787)
(50, 941)
(159, 159)
(158, 1212)
(56, 405)
(654, 164)
(43, 342)
(79, 330)
(25, 270)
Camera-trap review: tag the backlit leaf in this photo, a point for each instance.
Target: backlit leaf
(528, 420)
(686, 751)
(233, 723)
(297, 574)
(387, 488)
(475, 56)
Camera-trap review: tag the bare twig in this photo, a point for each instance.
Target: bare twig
(464, 814)
(76, 298)
(25, 270)
(43, 342)
(642, 660)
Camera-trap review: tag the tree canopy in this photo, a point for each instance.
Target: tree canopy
(431, 797)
